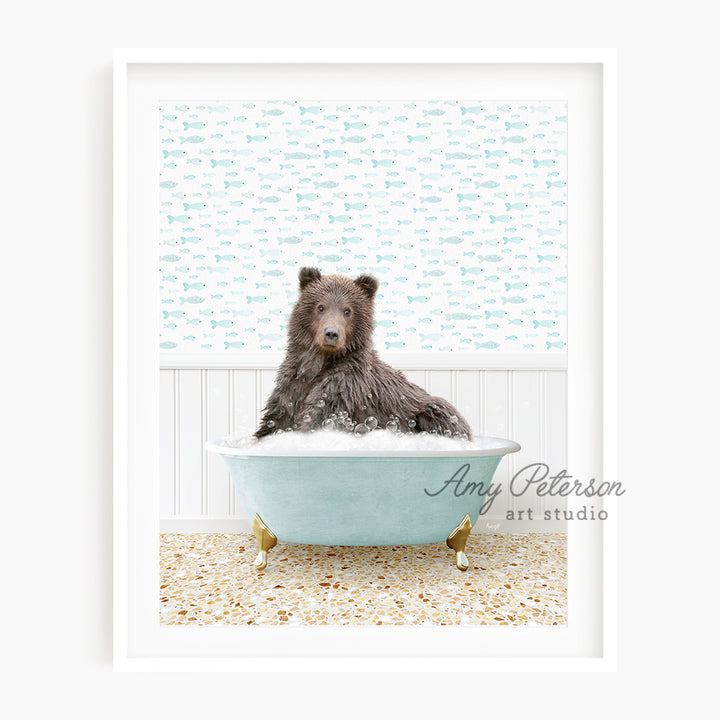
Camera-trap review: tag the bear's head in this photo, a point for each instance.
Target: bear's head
(334, 313)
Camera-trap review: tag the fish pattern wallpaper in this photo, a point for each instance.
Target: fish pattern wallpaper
(457, 207)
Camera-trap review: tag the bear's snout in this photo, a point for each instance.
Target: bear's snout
(331, 335)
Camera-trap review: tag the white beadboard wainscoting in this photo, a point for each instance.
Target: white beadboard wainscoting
(199, 404)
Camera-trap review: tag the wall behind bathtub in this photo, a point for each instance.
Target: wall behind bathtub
(199, 404)
(457, 206)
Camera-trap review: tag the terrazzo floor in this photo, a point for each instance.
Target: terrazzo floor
(209, 579)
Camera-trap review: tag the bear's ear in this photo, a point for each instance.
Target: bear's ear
(368, 284)
(308, 275)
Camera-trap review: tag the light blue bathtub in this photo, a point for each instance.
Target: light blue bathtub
(327, 497)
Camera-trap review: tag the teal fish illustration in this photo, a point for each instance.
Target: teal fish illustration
(221, 323)
(339, 218)
(500, 218)
(547, 258)
(193, 300)
(467, 196)
(353, 139)
(457, 316)
(192, 139)
(168, 345)
(170, 258)
(235, 345)
(496, 313)
(516, 286)
(418, 299)
(516, 125)
(398, 344)
(489, 345)
(558, 344)
(514, 139)
(544, 323)
(515, 299)
(256, 299)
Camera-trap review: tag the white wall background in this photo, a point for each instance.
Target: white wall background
(200, 404)
(57, 376)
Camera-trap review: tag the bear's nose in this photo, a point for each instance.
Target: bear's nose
(331, 335)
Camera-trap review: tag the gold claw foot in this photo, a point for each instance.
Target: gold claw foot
(265, 541)
(456, 541)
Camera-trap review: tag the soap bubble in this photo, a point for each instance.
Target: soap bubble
(361, 429)
(333, 416)
(453, 419)
(321, 403)
(371, 423)
(306, 418)
(349, 424)
(411, 423)
(271, 423)
(328, 424)
(392, 426)
(448, 433)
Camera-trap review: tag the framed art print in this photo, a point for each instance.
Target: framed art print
(455, 211)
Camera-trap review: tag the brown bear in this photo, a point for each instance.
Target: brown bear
(332, 376)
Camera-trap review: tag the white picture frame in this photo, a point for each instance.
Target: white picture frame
(587, 79)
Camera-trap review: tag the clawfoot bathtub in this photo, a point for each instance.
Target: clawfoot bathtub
(363, 497)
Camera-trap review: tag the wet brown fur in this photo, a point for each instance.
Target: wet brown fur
(317, 379)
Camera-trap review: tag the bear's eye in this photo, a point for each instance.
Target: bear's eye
(347, 312)
(320, 308)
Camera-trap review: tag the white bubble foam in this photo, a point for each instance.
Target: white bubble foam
(348, 441)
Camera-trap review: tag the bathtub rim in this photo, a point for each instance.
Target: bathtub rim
(506, 448)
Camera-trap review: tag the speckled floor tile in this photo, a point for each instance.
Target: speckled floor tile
(209, 579)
